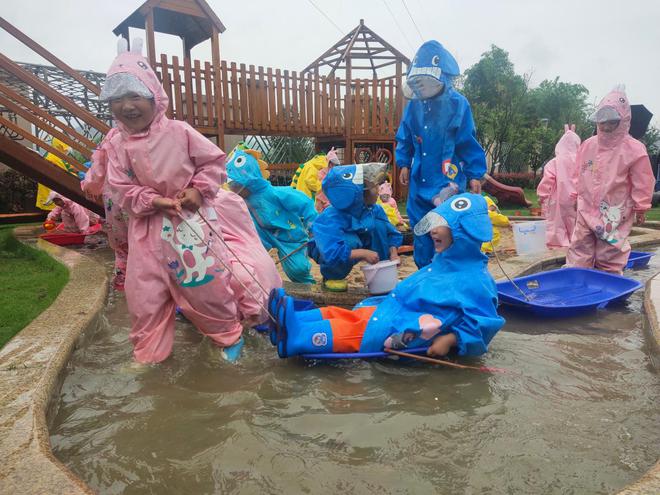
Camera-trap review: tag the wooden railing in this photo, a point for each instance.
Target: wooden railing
(258, 100)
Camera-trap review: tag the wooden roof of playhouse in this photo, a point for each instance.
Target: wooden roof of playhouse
(361, 45)
(192, 20)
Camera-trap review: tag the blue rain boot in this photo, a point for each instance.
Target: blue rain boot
(233, 352)
(300, 335)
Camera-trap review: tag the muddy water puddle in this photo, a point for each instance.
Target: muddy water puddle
(578, 413)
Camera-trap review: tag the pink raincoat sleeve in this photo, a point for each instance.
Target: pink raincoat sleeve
(209, 162)
(133, 198)
(55, 214)
(95, 177)
(642, 182)
(548, 183)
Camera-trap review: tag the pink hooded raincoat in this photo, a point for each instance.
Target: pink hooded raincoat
(171, 262)
(557, 191)
(615, 180)
(116, 220)
(75, 218)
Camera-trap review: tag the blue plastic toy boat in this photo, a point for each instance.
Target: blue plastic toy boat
(638, 259)
(566, 292)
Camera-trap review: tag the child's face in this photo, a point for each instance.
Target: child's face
(134, 111)
(384, 198)
(370, 194)
(58, 202)
(442, 238)
(608, 126)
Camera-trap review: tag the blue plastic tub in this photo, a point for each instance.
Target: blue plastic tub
(566, 292)
(638, 259)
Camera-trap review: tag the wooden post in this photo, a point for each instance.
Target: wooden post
(217, 85)
(348, 111)
(151, 41)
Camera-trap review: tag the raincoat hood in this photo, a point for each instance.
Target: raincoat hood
(385, 188)
(332, 157)
(132, 62)
(245, 167)
(467, 216)
(568, 144)
(432, 69)
(617, 101)
(344, 185)
(55, 195)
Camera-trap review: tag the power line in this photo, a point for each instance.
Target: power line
(399, 26)
(413, 20)
(326, 16)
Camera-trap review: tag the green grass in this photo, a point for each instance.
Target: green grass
(30, 282)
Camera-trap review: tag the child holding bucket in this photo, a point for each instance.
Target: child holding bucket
(354, 228)
(615, 187)
(451, 303)
(165, 175)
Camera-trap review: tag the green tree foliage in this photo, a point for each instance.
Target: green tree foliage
(517, 125)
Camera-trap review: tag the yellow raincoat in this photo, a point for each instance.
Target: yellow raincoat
(43, 191)
(306, 178)
(498, 220)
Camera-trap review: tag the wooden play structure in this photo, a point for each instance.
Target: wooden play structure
(349, 97)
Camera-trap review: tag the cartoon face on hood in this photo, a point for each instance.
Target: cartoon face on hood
(615, 106)
(344, 185)
(466, 215)
(431, 70)
(245, 167)
(332, 157)
(134, 64)
(569, 143)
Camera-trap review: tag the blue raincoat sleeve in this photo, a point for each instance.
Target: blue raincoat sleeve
(475, 330)
(394, 237)
(468, 150)
(405, 147)
(300, 205)
(329, 235)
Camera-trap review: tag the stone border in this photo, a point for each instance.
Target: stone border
(31, 366)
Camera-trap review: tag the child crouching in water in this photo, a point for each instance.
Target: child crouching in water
(74, 217)
(165, 175)
(451, 303)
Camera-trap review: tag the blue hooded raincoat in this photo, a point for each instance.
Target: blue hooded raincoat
(436, 140)
(282, 215)
(349, 224)
(455, 293)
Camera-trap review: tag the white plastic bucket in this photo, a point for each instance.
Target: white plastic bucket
(381, 277)
(529, 237)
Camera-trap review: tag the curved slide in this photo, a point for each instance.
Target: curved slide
(505, 194)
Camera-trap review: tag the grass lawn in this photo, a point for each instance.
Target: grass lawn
(30, 281)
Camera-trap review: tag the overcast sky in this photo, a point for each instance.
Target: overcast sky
(598, 43)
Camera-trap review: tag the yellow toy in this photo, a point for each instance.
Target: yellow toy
(43, 191)
(306, 178)
(498, 220)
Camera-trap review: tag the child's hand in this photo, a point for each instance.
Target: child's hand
(475, 186)
(191, 199)
(394, 254)
(404, 176)
(441, 345)
(640, 218)
(367, 255)
(170, 207)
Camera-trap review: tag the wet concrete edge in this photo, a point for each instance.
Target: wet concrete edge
(32, 366)
(31, 372)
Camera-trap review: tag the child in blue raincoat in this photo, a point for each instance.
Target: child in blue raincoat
(282, 215)
(436, 143)
(354, 228)
(451, 303)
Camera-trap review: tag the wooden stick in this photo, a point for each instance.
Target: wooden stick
(291, 253)
(426, 359)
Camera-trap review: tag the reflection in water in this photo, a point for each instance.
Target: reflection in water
(579, 415)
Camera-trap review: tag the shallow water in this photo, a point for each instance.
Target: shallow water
(577, 413)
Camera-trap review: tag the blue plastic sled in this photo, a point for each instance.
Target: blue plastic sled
(363, 355)
(566, 292)
(638, 259)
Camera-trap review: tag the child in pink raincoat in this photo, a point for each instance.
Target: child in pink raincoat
(389, 205)
(165, 175)
(557, 191)
(75, 218)
(615, 186)
(321, 201)
(116, 220)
